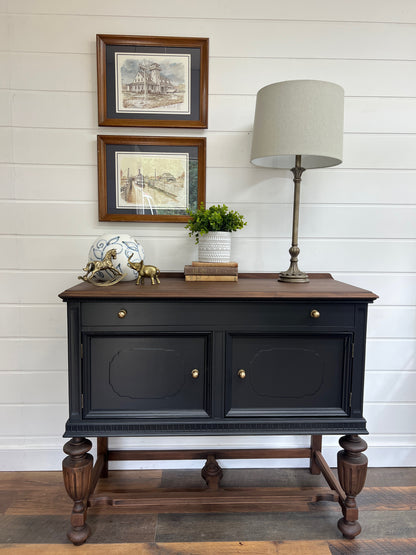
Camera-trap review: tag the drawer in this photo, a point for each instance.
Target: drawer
(140, 376)
(217, 314)
(288, 375)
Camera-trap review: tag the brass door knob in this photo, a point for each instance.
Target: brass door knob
(122, 313)
(195, 373)
(315, 314)
(241, 374)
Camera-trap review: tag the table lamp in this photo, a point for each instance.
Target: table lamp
(298, 125)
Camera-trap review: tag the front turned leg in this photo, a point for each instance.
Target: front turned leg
(77, 468)
(352, 472)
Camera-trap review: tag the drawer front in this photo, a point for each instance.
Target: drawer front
(281, 375)
(157, 375)
(217, 314)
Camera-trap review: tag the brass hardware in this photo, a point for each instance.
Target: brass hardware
(241, 374)
(143, 271)
(96, 266)
(195, 373)
(350, 399)
(315, 314)
(122, 313)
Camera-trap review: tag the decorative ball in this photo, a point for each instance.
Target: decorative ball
(125, 246)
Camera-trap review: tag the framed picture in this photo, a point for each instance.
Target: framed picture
(155, 179)
(152, 81)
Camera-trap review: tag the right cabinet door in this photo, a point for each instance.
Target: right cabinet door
(288, 375)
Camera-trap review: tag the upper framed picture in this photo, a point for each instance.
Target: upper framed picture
(152, 81)
(154, 179)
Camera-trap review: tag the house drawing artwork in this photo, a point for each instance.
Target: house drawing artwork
(153, 83)
(150, 80)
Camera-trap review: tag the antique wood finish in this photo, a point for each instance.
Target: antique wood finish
(352, 471)
(193, 358)
(77, 468)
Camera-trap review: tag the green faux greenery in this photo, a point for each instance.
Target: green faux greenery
(215, 218)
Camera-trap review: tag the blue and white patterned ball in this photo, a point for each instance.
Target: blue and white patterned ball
(125, 246)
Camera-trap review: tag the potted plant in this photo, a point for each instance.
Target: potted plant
(212, 229)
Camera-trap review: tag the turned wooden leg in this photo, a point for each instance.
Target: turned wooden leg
(77, 468)
(316, 445)
(352, 472)
(102, 450)
(212, 473)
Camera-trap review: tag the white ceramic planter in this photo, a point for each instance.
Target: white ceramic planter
(125, 246)
(215, 246)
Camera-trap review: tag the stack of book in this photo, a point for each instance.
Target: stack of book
(211, 271)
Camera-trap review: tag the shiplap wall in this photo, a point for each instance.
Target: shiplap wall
(358, 220)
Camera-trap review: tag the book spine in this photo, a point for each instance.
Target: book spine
(210, 270)
(211, 278)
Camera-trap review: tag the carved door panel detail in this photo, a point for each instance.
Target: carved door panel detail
(288, 375)
(141, 375)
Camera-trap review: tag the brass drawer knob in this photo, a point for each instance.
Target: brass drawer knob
(315, 314)
(241, 374)
(122, 313)
(195, 373)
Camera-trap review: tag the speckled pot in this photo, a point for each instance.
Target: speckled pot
(215, 246)
(125, 245)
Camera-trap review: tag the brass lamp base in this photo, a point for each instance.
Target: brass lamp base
(293, 274)
(293, 278)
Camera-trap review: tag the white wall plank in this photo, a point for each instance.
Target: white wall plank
(49, 71)
(391, 354)
(357, 77)
(49, 183)
(77, 110)
(33, 321)
(33, 355)
(39, 387)
(324, 10)
(229, 185)
(235, 38)
(365, 151)
(393, 387)
(333, 185)
(392, 322)
(77, 72)
(264, 220)
(27, 420)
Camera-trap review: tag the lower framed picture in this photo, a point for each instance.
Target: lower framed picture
(150, 178)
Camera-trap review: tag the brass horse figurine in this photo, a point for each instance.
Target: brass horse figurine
(96, 266)
(144, 271)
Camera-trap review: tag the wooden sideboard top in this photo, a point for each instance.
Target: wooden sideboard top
(249, 286)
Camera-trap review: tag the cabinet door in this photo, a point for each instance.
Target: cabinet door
(296, 375)
(146, 376)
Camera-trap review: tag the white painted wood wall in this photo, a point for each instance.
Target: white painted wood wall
(358, 220)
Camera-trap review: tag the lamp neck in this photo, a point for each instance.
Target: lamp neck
(297, 170)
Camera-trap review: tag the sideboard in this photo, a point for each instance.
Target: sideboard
(251, 357)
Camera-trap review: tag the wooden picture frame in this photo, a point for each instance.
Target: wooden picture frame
(153, 179)
(152, 81)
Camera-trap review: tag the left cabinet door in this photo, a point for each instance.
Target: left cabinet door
(158, 375)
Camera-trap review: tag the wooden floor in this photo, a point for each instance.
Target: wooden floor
(34, 517)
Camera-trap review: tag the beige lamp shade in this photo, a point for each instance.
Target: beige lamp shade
(302, 117)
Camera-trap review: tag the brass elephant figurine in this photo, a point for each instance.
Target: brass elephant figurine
(144, 271)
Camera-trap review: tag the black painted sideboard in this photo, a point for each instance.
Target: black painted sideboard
(195, 358)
